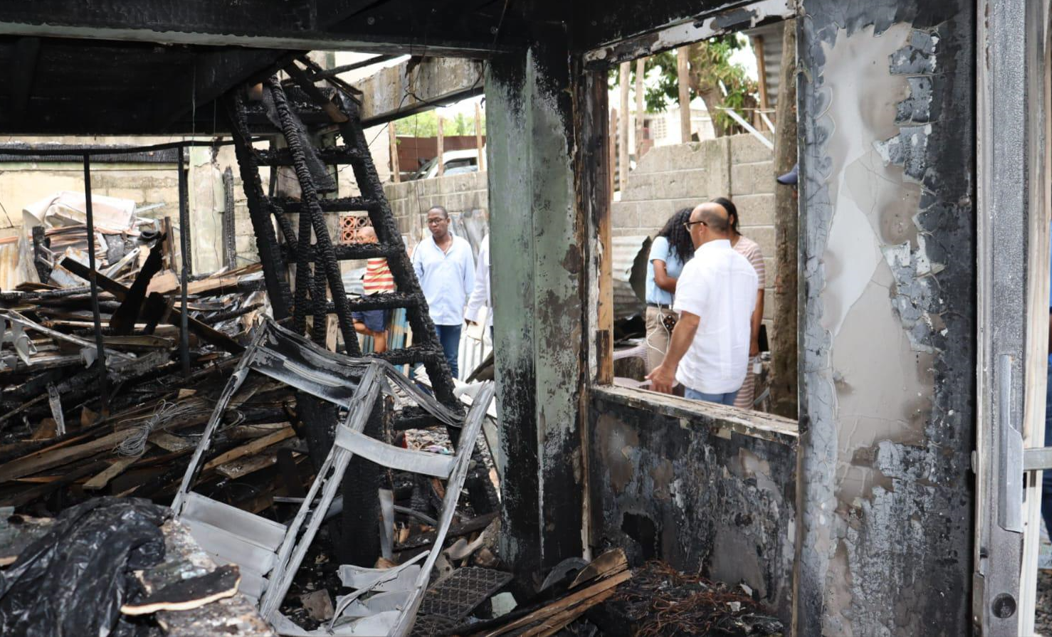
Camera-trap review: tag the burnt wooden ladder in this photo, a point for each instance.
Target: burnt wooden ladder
(318, 289)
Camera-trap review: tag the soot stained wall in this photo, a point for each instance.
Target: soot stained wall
(886, 105)
(700, 496)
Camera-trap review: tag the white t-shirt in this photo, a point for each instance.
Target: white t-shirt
(719, 286)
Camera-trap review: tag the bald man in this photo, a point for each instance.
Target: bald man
(715, 297)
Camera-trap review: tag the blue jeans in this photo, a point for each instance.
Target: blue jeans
(1046, 483)
(723, 399)
(449, 336)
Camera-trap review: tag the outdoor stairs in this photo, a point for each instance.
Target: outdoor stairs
(296, 108)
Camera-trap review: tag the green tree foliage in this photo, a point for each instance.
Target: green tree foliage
(420, 125)
(711, 73)
(425, 124)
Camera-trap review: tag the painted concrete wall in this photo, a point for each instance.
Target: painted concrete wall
(207, 209)
(887, 152)
(410, 200)
(702, 496)
(23, 183)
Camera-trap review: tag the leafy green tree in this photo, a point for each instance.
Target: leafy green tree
(714, 78)
(461, 125)
(425, 124)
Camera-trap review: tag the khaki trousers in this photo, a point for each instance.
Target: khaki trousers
(657, 336)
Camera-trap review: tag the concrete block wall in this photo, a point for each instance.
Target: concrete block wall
(410, 200)
(23, 183)
(669, 178)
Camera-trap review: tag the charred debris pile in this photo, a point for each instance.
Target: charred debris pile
(232, 428)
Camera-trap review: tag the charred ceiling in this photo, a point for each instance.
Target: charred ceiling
(124, 67)
(59, 86)
(133, 68)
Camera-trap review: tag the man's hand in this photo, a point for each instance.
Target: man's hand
(754, 348)
(664, 375)
(470, 322)
(662, 379)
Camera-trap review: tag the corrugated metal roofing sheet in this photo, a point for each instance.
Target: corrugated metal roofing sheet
(629, 274)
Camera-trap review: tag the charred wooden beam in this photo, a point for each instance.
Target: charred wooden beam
(92, 277)
(207, 333)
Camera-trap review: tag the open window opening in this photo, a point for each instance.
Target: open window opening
(712, 120)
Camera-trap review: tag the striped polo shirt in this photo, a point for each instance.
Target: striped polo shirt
(377, 277)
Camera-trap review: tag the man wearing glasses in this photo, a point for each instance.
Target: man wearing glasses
(715, 297)
(445, 268)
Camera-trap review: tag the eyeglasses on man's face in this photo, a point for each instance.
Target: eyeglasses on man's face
(688, 224)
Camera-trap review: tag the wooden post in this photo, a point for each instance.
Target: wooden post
(184, 259)
(100, 360)
(229, 224)
(393, 138)
(683, 78)
(169, 244)
(611, 160)
(623, 160)
(478, 137)
(761, 70)
(641, 64)
(441, 163)
(786, 229)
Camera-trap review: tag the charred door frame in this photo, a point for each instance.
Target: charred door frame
(595, 198)
(1012, 234)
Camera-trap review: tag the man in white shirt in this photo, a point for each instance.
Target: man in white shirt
(445, 268)
(480, 295)
(715, 297)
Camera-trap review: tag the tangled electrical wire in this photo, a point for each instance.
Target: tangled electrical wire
(164, 415)
(667, 602)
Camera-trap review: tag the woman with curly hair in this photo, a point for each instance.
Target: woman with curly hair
(751, 251)
(671, 249)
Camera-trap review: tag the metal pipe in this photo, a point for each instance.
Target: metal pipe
(184, 257)
(100, 346)
(327, 73)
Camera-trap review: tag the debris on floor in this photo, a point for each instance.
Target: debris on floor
(662, 601)
(115, 564)
(231, 446)
(173, 460)
(1043, 617)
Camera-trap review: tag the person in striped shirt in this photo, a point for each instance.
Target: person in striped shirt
(377, 280)
(751, 251)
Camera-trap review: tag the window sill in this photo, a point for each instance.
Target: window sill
(755, 424)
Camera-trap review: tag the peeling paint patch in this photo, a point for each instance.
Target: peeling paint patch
(917, 57)
(908, 150)
(887, 150)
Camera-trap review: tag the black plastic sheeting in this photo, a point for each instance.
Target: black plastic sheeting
(72, 581)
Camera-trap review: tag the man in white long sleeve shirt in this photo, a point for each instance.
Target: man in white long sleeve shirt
(480, 295)
(445, 268)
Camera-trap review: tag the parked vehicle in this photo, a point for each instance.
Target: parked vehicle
(456, 162)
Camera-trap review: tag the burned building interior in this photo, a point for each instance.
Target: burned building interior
(194, 440)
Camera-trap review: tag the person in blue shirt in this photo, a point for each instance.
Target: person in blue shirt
(445, 267)
(671, 250)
